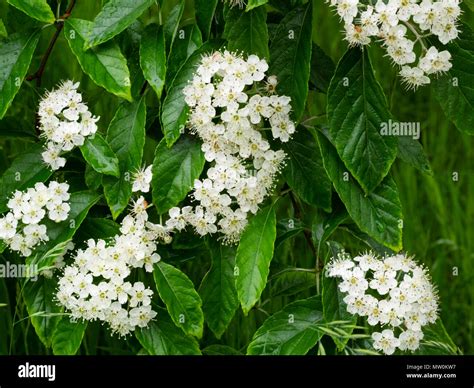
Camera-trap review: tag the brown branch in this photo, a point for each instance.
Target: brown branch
(59, 24)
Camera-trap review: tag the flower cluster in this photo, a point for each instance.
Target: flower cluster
(400, 24)
(230, 116)
(21, 227)
(65, 122)
(95, 286)
(392, 292)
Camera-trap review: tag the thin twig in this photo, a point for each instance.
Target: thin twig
(59, 24)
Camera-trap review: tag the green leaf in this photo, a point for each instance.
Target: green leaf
(42, 307)
(25, 170)
(180, 297)
(15, 56)
(254, 4)
(68, 337)
(470, 4)
(247, 31)
(220, 350)
(46, 260)
(115, 16)
(335, 309)
(3, 246)
(126, 136)
(189, 40)
(80, 203)
(290, 56)
(217, 289)
(357, 109)
(37, 9)
(174, 171)
(92, 178)
(305, 172)
(153, 57)
(322, 69)
(286, 229)
(3, 30)
(254, 254)
(291, 331)
(412, 152)
(290, 283)
(99, 155)
(105, 65)
(172, 23)
(163, 338)
(455, 91)
(98, 228)
(175, 111)
(321, 231)
(379, 213)
(205, 10)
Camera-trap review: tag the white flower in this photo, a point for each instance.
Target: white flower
(142, 179)
(385, 341)
(414, 77)
(410, 340)
(230, 116)
(8, 226)
(402, 24)
(392, 291)
(94, 287)
(65, 122)
(435, 62)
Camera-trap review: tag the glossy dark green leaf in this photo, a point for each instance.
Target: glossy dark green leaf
(254, 254)
(115, 16)
(98, 228)
(247, 31)
(174, 171)
(291, 331)
(356, 110)
(378, 213)
(126, 137)
(291, 282)
(175, 111)
(171, 24)
(37, 9)
(3, 30)
(99, 155)
(290, 56)
(254, 4)
(188, 40)
(455, 90)
(42, 307)
(163, 338)
(305, 172)
(80, 203)
(205, 10)
(286, 229)
(15, 56)
(105, 65)
(180, 297)
(25, 170)
(153, 57)
(322, 69)
(68, 337)
(218, 293)
(412, 152)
